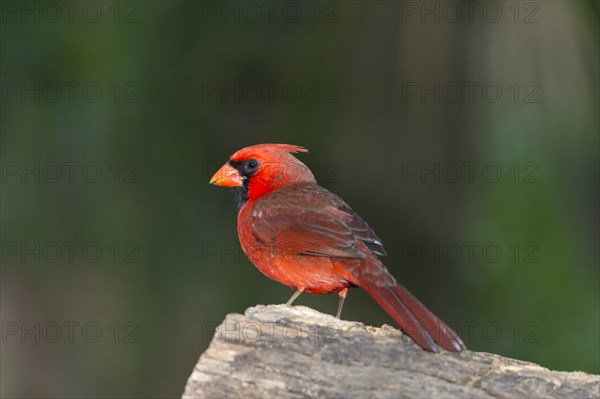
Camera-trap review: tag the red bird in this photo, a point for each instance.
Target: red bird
(301, 235)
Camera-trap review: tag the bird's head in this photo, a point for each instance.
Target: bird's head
(259, 169)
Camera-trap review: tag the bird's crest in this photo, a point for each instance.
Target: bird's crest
(265, 148)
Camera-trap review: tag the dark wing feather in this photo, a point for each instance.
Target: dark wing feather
(363, 231)
(306, 219)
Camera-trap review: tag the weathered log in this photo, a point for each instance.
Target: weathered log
(279, 351)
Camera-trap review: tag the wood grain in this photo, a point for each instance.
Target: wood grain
(279, 351)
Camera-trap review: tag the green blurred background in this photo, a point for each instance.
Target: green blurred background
(143, 101)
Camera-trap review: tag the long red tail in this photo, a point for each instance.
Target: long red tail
(416, 320)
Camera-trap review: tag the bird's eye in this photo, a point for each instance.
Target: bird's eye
(251, 164)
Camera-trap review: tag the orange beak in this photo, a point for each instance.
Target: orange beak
(227, 176)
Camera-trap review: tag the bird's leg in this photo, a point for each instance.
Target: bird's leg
(293, 298)
(343, 293)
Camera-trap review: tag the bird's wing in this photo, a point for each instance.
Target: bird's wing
(362, 231)
(306, 219)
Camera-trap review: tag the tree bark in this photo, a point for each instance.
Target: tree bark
(279, 351)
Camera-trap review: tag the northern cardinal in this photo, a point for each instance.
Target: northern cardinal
(301, 235)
